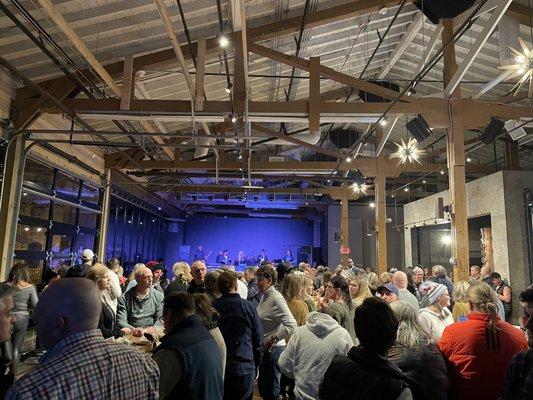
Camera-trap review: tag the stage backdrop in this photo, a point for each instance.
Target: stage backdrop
(247, 234)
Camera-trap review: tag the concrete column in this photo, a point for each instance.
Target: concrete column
(104, 218)
(10, 202)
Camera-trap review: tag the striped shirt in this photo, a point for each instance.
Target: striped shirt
(85, 366)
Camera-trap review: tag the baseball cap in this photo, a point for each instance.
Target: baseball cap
(390, 287)
(87, 254)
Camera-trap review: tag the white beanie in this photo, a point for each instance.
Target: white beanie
(436, 293)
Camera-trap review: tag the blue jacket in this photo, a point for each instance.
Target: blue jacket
(242, 331)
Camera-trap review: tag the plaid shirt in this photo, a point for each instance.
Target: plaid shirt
(518, 383)
(84, 366)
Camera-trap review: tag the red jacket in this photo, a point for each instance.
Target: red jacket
(477, 358)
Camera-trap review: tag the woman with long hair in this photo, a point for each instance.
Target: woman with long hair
(99, 274)
(436, 316)
(292, 290)
(373, 282)
(359, 290)
(416, 354)
(478, 350)
(337, 303)
(308, 293)
(460, 306)
(24, 298)
(182, 277)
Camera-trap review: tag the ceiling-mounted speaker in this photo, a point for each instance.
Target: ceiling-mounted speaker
(434, 10)
(514, 131)
(493, 129)
(372, 98)
(344, 138)
(419, 128)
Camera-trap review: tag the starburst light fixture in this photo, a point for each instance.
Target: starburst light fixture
(523, 67)
(407, 152)
(358, 189)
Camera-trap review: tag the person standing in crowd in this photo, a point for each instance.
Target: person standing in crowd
(7, 319)
(278, 325)
(211, 288)
(460, 302)
(388, 292)
(198, 271)
(24, 298)
(243, 334)
(436, 316)
(209, 316)
(503, 291)
(79, 363)
(359, 291)
(182, 277)
(366, 372)
(292, 291)
(418, 277)
(338, 304)
(478, 351)
(399, 279)
(310, 351)
(518, 383)
(99, 274)
(200, 254)
(441, 276)
(188, 357)
(373, 282)
(485, 274)
(251, 280)
(475, 273)
(114, 291)
(416, 354)
(79, 271)
(140, 307)
(385, 278)
(307, 296)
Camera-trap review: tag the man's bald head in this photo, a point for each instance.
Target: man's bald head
(66, 307)
(399, 279)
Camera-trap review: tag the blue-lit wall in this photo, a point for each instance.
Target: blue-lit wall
(247, 234)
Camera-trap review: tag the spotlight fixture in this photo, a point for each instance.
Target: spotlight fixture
(158, 208)
(348, 159)
(233, 116)
(229, 87)
(223, 41)
(406, 189)
(26, 229)
(492, 130)
(24, 194)
(407, 152)
(523, 66)
(372, 204)
(240, 157)
(468, 159)
(442, 172)
(424, 181)
(418, 128)
(384, 121)
(411, 91)
(446, 239)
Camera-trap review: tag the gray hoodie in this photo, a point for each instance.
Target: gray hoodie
(310, 351)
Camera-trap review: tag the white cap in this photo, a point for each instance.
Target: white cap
(87, 254)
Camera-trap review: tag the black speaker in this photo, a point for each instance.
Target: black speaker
(437, 9)
(418, 128)
(372, 98)
(343, 138)
(492, 130)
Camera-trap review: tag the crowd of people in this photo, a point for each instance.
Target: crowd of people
(294, 332)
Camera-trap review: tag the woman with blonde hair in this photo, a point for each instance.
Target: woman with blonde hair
(182, 277)
(478, 350)
(373, 282)
(460, 307)
(385, 278)
(415, 353)
(308, 293)
(359, 291)
(99, 274)
(292, 290)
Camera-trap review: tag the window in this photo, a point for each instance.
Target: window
(61, 250)
(32, 205)
(90, 194)
(84, 241)
(38, 174)
(87, 219)
(67, 186)
(30, 238)
(35, 269)
(64, 213)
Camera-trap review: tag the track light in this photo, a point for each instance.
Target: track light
(348, 159)
(418, 128)
(223, 41)
(384, 121)
(233, 117)
(229, 87)
(411, 91)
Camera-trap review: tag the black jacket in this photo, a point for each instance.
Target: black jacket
(242, 331)
(362, 375)
(78, 271)
(194, 288)
(107, 322)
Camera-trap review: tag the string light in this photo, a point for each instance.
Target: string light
(523, 67)
(407, 152)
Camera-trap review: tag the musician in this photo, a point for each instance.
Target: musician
(241, 258)
(262, 256)
(223, 258)
(199, 255)
(288, 256)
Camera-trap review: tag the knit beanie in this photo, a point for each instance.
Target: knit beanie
(435, 294)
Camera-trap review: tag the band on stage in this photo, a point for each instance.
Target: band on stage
(254, 259)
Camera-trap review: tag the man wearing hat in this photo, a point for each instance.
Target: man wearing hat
(388, 292)
(79, 271)
(158, 272)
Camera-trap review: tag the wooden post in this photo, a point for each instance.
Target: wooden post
(345, 230)
(10, 203)
(127, 91)
(314, 94)
(200, 75)
(104, 218)
(381, 207)
(512, 157)
(456, 166)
